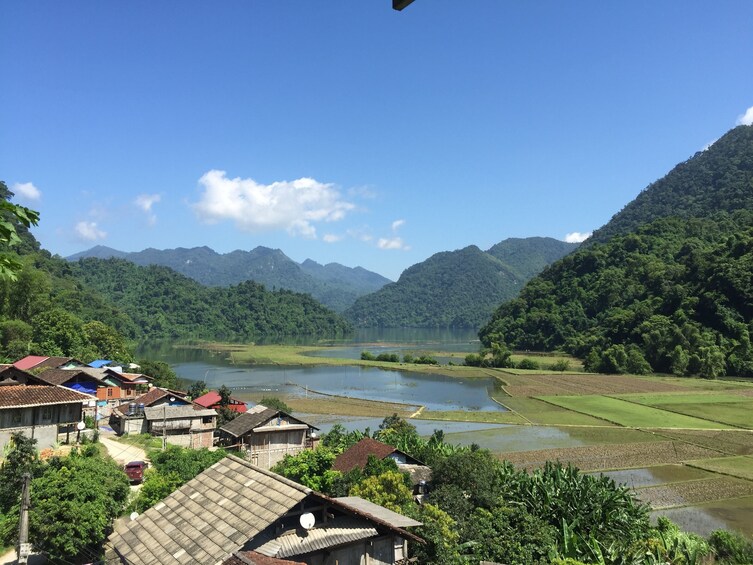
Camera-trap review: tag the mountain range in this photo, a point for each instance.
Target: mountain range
(457, 288)
(334, 285)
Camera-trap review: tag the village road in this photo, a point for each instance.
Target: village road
(122, 452)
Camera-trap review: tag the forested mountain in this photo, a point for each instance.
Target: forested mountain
(94, 308)
(672, 295)
(457, 288)
(334, 285)
(717, 179)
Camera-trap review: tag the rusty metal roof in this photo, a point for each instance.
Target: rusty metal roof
(23, 396)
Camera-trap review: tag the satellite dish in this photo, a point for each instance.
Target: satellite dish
(307, 520)
(134, 515)
(80, 426)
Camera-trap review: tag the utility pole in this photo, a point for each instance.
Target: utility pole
(24, 547)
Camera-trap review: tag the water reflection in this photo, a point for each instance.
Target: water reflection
(436, 392)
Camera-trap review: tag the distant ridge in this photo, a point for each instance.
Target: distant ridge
(457, 288)
(334, 285)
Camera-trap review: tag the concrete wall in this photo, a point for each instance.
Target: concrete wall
(46, 436)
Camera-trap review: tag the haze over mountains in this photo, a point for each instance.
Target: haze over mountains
(450, 289)
(334, 285)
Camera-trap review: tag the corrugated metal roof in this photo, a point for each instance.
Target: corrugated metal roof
(29, 361)
(166, 411)
(208, 518)
(379, 512)
(339, 531)
(257, 416)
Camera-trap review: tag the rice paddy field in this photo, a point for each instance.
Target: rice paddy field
(684, 445)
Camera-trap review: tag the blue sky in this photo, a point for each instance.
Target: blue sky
(348, 132)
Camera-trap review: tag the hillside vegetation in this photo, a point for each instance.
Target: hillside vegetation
(96, 308)
(673, 294)
(457, 288)
(334, 285)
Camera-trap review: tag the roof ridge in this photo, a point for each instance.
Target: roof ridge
(273, 475)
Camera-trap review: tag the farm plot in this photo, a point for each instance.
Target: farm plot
(653, 476)
(630, 414)
(694, 492)
(739, 466)
(563, 384)
(608, 457)
(735, 442)
(738, 414)
(673, 398)
(539, 412)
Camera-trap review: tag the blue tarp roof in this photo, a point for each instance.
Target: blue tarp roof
(99, 363)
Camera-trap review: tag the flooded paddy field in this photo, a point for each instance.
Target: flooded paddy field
(705, 518)
(652, 476)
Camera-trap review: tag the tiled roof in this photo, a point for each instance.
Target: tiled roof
(254, 558)
(21, 396)
(358, 455)
(61, 376)
(207, 519)
(218, 512)
(249, 420)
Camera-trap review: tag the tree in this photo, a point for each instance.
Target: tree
(107, 342)
(388, 490)
(12, 216)
(276, 404)
(311, 468)
(74, 503)
(161, 372)
(21, 458)
(197, 389)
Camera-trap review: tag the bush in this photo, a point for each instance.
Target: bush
(528, 364)
(561, 365)
(731, 548)
(367, 356)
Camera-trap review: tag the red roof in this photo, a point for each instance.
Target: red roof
(212, 400)
(29, 361)
(358, 455)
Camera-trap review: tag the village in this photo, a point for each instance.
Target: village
(235, 512)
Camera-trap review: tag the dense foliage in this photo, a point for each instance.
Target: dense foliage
(74, 500)
(675, 297)
(457, 288)
(334, 285)
(166, 304)
(719, 179)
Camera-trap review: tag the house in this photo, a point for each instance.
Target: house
(32, 362)
(212, 400)
(166, 413)
(37, 409)
(357, 455)
(110, 387)
(235, 512)
(267, 435)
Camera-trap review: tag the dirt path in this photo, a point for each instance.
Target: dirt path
(122, 452)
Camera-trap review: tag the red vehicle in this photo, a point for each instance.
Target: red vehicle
(135, 470)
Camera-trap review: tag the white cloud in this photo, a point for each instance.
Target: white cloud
(577, 237)
(89, 231)
(145, 202)
(27, 191)
(392, 243)
(361, 234)
(331, 238)
(397, 224)
(290, 205)
(746, 119)
(709, 144)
